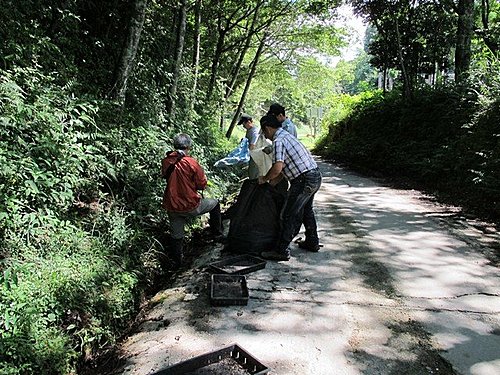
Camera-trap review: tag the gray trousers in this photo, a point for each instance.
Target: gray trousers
(178, 219)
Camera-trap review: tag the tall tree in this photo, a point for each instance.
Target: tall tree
(412, 36)
(490, 30)
(228, 19)
(129, 51)
(196, 49)
(465, 10)
(235, 71)
(179, 49)
(253, 68)
(407, 82)
(395, 24)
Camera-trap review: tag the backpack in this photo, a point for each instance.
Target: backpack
(171, 167)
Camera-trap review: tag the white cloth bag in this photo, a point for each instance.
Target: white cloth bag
(264, 161)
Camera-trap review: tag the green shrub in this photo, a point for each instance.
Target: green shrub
(81, 223)
(47, 150)
(444, 139)
(73, 296)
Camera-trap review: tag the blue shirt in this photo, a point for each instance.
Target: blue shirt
(290, 127)
(295, 157)
(252, 135)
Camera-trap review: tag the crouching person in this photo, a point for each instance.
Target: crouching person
(184, 178)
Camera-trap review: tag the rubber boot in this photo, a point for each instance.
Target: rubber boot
(215, 222)
(176, 252)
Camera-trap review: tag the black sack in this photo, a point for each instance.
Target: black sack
(255, 218)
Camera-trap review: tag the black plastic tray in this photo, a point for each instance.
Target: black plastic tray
(238, 265)
(228, 290)
(239, 357)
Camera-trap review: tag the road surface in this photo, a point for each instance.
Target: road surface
(402, 285)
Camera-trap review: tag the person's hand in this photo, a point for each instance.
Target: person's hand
(261, 180)
(268, 149)
(276, 180)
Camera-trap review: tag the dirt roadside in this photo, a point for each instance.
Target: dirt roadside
(402, 285)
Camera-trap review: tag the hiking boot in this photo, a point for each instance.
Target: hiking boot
(308, 246)
(227, 249)
(176, 252)
(275, 255)
(215, 220)
(219, 238)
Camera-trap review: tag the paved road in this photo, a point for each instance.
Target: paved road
(401, 286)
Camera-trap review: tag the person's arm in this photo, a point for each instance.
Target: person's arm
(276, 181)
(274, 172)
(164, 167)
(252, 140)
(294, 129)
(200, 179)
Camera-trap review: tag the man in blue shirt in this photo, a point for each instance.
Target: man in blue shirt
(252, 135)
(279, 112)
(292, 160)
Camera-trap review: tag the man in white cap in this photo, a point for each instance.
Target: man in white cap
(252, 135)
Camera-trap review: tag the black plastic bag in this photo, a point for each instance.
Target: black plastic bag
(255, 218)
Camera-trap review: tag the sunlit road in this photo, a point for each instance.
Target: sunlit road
(401, 286)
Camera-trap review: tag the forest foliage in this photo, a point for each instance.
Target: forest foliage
(91, 92)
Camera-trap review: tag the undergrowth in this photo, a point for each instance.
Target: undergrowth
(444, 140)
(81, 224)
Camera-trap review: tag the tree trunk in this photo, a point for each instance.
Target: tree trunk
(404, 72)
(490, 42)
(380, 30)
(196, 49)
(129, 52)
(255, 62)
(385, 80)
(216, 58)
(224, 28)
(464, 36)
(236, 70)
(179, 48)
(172, 40)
